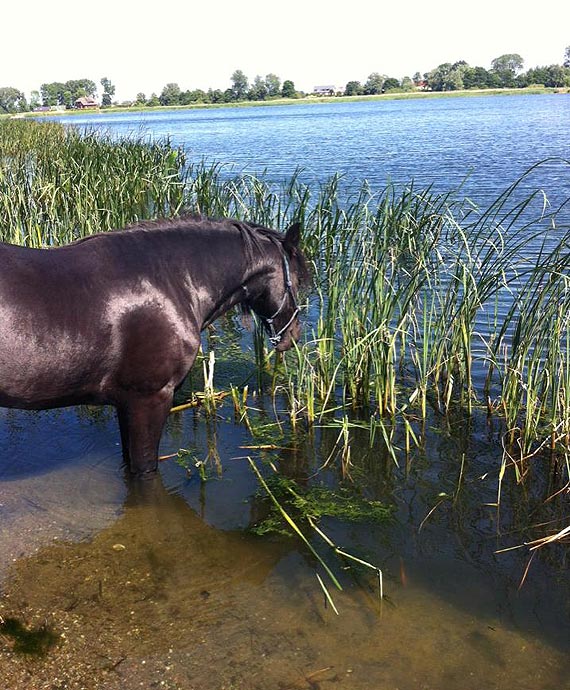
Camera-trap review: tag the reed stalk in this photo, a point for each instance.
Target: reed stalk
(420, 301)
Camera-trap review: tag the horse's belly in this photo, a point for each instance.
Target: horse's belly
(39, 375)
(135, 345)
(41, 389)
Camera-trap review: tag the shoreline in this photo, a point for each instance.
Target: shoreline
(307, 100)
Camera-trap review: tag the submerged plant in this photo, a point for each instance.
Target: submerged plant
(32, 642)
(316, 502)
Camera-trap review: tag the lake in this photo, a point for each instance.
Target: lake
(169, 587)
(484, 143)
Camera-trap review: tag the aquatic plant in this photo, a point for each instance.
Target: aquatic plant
(32, 642)
(59, 184)
(315, 502)
(291, 506)
(421, 304)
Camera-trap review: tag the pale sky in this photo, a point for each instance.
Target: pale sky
(142, 46)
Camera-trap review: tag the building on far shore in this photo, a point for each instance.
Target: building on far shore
(325, 90)
(86, 102)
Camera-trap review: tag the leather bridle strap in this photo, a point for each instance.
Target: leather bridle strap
(276, 336)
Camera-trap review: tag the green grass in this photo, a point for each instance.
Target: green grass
(57, 185)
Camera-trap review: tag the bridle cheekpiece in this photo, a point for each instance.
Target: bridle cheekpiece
(275, 337)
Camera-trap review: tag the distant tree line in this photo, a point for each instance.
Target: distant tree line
(506, 72)
(55, 94)
(261, 89)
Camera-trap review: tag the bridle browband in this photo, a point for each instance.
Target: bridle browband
(275, 337)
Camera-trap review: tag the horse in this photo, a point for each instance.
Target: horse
(115, 318)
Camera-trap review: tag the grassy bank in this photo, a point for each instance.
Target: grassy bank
(421, 305)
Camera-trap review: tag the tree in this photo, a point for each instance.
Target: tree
(80, 87)
(11, 100)
(108, 92)
(196, 96)
(566, 62)
(558, 76)
(35, 100)
(215, 96)
(170, 94)
(506, 67)
(288, 90)
(52, 93)
(353, 88)
(552, 76)
(391, 84)
(273, 85)
(141, 98)
(374, 84)
(477, 78)
(511, 62)
(447, 77)
(58, 93)
(240, 85)
(258, 91)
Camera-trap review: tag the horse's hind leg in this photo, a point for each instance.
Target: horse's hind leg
(141, 420)
(123, 419)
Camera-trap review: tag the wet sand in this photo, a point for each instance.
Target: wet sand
(161, 600)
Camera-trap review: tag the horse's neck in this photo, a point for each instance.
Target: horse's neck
(215, 281)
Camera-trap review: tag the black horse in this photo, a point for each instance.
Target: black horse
(115, 319)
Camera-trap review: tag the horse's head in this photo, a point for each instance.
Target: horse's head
(277, 301)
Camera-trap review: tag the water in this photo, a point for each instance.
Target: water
(168, 588)
(485, 143)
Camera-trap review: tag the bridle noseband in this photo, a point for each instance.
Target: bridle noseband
(275, 337)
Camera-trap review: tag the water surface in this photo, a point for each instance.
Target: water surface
(485, 142)
(165, 584)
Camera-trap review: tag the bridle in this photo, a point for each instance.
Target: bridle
(275, 337)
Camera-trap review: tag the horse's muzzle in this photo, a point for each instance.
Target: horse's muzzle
(290, 336)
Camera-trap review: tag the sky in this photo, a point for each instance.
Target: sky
(142, 46)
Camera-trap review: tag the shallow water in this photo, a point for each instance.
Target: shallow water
(164, 584)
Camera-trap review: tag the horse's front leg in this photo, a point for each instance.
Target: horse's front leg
(141, 421)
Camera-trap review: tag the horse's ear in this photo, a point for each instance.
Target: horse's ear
(292, 237)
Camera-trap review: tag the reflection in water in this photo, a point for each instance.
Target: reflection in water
(162, 596)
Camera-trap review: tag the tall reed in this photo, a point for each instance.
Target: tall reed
(420, 301)
(58, 184)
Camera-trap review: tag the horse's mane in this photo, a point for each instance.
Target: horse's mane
(251, 233)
